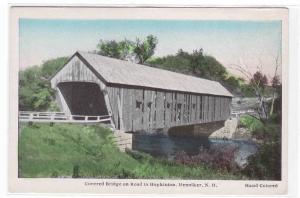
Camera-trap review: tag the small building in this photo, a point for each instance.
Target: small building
(137, 97)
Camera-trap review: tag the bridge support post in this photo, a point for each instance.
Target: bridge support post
(103, 89)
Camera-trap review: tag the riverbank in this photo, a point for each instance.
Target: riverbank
(73, 150)
(238, 128)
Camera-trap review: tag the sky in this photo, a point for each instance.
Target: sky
(248, 43)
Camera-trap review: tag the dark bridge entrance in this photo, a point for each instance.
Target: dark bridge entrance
(83, 98)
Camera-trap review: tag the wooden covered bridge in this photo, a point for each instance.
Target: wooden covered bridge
(137, 97)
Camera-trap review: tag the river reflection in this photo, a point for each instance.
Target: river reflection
(166, 147)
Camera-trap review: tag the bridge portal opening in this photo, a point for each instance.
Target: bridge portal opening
(83, 98)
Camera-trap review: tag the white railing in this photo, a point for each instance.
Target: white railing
(241, 112)
(30, 116)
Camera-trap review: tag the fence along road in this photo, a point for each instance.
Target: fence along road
(51, 117)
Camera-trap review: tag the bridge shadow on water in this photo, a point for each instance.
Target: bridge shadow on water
(189, 139)
(167, 147)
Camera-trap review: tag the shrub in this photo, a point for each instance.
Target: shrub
(266, 163)
(220, 157)
(251, 123)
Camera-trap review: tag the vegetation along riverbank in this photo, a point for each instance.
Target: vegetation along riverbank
(70, 150)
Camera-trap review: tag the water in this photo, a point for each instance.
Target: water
(167, 147)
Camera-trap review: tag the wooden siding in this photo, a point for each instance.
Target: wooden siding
(143, 109)
(76, 70)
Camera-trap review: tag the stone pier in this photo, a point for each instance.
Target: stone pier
(123, 140)
(228, 131)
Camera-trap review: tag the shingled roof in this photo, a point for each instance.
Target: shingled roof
(122, 72)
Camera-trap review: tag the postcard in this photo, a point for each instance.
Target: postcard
(138, 100)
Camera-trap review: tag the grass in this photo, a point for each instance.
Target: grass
(251, 123)
(269, 131)
(70, 150)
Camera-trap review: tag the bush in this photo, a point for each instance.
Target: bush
(266, 163)
(251, 123)
(216, 156)
(268, 134)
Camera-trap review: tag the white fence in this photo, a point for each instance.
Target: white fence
(241, 112)
(29, 116)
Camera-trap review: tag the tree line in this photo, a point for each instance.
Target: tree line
(195, 63)
(35, 92)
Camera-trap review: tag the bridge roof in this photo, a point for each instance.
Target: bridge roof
(122, 72)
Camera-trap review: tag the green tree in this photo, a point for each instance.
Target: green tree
(126, 49)
(175, 63)
(50, 67)
(195, 63)
(212, 69)
(114, 49)
(196, 60)
(203, 66)
(144, 50)
(232, 82)
(35, 92)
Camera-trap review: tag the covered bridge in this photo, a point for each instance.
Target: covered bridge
(137, 97)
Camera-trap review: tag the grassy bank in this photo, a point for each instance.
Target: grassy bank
(251, 123)
(69, 150)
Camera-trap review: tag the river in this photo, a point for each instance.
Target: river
(166, 147)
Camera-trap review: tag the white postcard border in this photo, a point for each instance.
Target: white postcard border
(54, 185)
